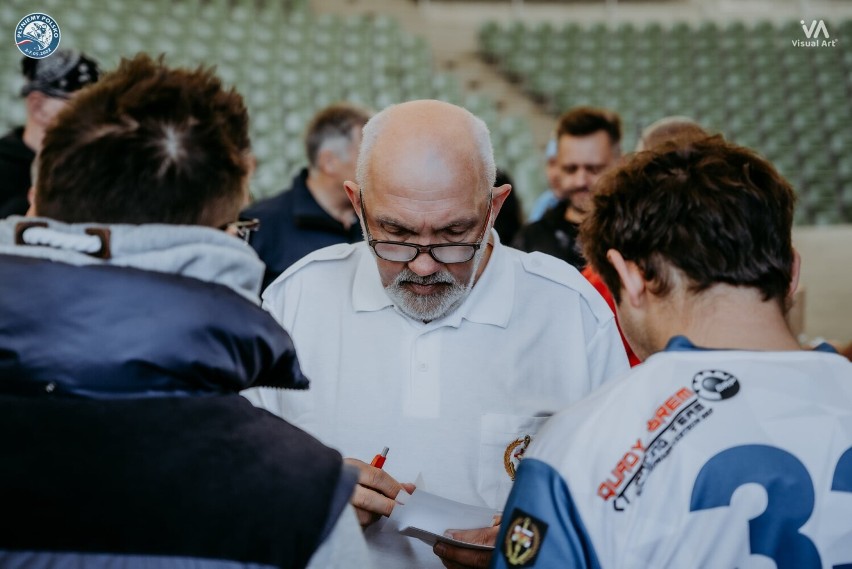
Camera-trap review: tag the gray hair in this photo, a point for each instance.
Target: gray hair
(333, 128)
(376, 124)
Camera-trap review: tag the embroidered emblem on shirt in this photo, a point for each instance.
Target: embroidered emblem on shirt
(523, 539)
(514, 454)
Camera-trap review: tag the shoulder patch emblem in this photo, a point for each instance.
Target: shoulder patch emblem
(524, 536)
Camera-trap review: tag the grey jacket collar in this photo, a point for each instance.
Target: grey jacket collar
(199, 252)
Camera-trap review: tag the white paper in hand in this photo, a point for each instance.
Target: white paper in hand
(427, 516)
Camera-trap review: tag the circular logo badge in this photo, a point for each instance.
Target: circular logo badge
(37, 35)
(715, 385)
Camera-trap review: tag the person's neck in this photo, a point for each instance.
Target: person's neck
(573, 215)
(727, 317)
(331, 199)
(33, 136)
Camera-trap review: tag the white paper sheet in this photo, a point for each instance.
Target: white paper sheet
(427, 516)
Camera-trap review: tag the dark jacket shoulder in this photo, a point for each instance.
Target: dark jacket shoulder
(553, 235)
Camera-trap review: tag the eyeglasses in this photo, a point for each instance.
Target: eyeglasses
(242, 228)
(445, 253)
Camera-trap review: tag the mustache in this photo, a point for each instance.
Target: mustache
(409, 276)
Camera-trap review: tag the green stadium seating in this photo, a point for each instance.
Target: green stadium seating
(286, 61)
(746, 81)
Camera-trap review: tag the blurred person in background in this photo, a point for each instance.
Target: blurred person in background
(50, 83)
(588, 143)
(314, 212)
(547, 199)
(511, 216)
(674, 128)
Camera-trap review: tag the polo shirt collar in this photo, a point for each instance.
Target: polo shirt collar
(368, 294)
(490, 302)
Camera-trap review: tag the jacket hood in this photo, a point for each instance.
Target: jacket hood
(199, 252)
(150, 327)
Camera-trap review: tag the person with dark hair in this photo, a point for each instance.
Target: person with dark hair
(730, 441)
(50, 83)
(315, 211)
(671, 130)
(130, 324)
(588, 142)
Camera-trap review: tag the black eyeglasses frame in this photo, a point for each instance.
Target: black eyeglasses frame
(430, 249)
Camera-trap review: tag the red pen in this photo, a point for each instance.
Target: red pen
(379, 459)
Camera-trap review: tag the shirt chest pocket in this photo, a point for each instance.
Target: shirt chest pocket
(503, 442)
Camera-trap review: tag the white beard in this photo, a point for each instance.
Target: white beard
(448, 298)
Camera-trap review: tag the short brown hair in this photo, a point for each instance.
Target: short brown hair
(147, 144)
(336, 121)
(716, 211)
(583, 121)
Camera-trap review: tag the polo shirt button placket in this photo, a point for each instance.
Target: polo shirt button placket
(423, 396)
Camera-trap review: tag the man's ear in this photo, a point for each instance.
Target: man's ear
(329, 162)
(251, 165)
(795, 272)
(354, 195)
(324, 160)
(632, 279)
(498, 197)
(31, 195)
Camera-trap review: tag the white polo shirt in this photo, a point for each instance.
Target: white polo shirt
(455, 398)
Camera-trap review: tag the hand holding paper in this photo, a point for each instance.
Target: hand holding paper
(427, 517)
(463, 555)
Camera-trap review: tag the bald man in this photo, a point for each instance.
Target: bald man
(431, 337)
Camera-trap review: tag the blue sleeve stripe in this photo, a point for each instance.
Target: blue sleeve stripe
(541, 498)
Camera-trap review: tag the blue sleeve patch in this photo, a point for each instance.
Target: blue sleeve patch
(541, 525)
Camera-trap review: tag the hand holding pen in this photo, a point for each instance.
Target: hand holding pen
(376, 492)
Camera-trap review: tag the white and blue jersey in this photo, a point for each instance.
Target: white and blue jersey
(697, 458)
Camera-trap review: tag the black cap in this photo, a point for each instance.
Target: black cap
(60, 74)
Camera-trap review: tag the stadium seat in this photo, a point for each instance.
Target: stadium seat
(744, 81)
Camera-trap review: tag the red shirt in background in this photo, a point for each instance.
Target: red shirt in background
(595, 280)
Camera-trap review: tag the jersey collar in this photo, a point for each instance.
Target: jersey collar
(683, 344)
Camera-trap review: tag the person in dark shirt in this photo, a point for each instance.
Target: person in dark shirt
(314, 212)
(50, 82)
(511, 216)
(588, 143)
